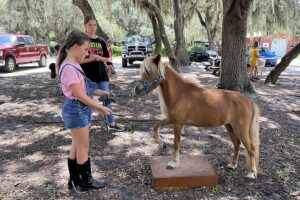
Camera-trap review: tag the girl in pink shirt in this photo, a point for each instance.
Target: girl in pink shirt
(76, 111)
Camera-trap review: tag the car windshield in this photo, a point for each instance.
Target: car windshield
(137, 38)
(6, 40)
(211, 52)
(201, 44)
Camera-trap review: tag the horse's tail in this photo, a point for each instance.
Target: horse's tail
(254, 132)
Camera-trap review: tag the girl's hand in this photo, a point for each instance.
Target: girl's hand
(93, 56)
(110, 70)
(100, 58)
(105, 110)
(100, 93)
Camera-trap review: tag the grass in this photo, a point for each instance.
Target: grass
(233, 172)
(282, 173)
(1, 195)
(22, 152)
(145, 169)
(216, 188)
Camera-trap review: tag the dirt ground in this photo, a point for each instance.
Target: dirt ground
(34, 143)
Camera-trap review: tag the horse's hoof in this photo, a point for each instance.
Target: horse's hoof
(172, 165)
(162, 144)
(232, 166)
(169, 167)
(251, 176)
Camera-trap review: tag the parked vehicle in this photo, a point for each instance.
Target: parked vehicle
(20, 49)
(136, 48)
(268, 55)
(200, 53)
(214, 58)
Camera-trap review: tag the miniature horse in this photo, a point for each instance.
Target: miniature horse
(186, 103)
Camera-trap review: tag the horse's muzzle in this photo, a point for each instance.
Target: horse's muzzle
(140, 89)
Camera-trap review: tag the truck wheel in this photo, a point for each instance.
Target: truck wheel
(124, 62)
(10, 64)
(43, 61)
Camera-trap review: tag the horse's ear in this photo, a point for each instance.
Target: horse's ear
(157, 59)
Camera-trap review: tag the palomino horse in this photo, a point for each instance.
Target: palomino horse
(186, 103)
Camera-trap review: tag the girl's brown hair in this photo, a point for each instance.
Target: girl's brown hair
(75, 37)
(88, 18)
(255, 44)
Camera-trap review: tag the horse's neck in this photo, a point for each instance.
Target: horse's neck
(171, 86)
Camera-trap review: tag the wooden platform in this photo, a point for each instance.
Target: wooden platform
(194, 171)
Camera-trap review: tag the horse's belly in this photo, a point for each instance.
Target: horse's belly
(207, 120)
(207, 123)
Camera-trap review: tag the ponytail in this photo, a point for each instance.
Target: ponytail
(74, 37)
(62, 54)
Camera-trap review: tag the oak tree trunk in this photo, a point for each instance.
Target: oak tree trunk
(284, 63)
(157, 13)
(210, 27)
(156, 34)
(233, 74)
(180, 49)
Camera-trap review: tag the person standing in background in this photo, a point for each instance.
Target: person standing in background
(52, 66)
(110, 68)
(254, 61)
(94, 65)
(248, 60)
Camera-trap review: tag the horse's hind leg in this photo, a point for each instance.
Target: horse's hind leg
(250, 156)
(156, 133)
(177, 136)
(242, 133)
(236, 146)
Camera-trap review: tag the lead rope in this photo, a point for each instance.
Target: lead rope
(77, 191)
(110, 99)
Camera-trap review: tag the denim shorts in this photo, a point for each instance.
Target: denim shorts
(75, 114)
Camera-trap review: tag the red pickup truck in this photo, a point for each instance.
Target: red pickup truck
(20, 49)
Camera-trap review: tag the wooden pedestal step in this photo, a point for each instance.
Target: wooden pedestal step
(193, 171)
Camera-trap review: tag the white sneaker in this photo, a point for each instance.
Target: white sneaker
(117, 127)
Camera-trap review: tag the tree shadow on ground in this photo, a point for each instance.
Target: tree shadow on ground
(34, 147)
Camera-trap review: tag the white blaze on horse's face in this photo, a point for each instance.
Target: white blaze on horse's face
(149, 69)
(149, 75)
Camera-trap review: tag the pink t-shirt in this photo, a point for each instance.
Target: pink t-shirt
(71, 76)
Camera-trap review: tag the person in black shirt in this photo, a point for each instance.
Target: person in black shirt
(52, 66)
(94, 65)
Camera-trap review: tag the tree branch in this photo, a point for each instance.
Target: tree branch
(203, 23)
(190, 11)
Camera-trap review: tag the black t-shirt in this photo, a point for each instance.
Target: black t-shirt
(95, 70)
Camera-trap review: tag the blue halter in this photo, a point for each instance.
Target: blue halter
(147, 83)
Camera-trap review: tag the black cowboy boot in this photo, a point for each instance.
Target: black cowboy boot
(75, 179)
(88, 182)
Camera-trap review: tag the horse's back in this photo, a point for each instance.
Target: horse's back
(214, 107)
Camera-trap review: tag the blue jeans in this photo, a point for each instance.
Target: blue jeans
(75, 114)
(105, 86)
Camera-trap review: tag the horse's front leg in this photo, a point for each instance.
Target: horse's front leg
(177, 136)
(156, 133)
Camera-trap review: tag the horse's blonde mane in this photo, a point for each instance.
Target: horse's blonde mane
(147, 66)
(192, 81)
